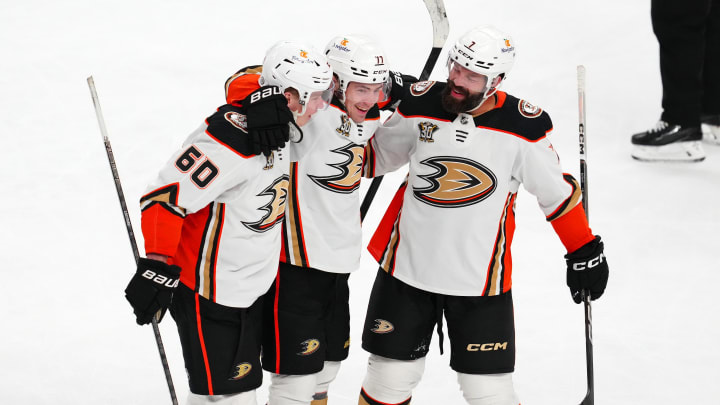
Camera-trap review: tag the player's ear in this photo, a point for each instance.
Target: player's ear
(293, 100)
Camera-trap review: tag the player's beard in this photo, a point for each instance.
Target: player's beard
(453, 105)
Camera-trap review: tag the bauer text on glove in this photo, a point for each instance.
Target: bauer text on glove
(268, 117)
(151, 288)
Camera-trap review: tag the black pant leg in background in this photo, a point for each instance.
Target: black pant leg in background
(680, 29)
(711, 73)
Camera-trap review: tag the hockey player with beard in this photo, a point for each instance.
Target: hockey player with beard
(307, 316)
(212, 220)
(444, 244)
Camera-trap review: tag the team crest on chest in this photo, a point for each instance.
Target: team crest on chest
(529, 110)
(456, 182)
(426, 131)
(420, 88)
(237, 120)
(344, 128)
(275, 209)
(348, 180)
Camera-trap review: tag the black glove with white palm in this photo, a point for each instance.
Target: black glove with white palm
(151, 288)
(587, 269)
(268, 117)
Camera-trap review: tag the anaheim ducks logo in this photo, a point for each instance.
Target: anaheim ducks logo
(309, 347)
(382, 326)
(528, 110)
(456, 182)
(348, 180)
(420, 88)
(241, 370)
(238, 120)
(275, 209)
(344, 128)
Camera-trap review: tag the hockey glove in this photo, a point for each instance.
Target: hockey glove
(268, 116)
(587, 269)
(151, 288)
(399, 85)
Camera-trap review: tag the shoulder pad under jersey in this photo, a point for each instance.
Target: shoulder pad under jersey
(242, 83)
(229, 127)
(518, 117)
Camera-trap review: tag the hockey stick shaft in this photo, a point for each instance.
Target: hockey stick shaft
(128, 226)
(441, 29)
(582, 128)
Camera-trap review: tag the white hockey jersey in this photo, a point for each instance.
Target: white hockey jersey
(218, 212)
(450, 227)
(322, 221)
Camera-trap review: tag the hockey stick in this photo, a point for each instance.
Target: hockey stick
(585, 294)
(441, 28)
(128, 225)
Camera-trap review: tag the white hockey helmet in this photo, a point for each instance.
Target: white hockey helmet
(484, 50)
(357, 58)
(300, 66)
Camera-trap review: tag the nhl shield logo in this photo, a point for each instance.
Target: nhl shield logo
(426, 131)
(237, 120)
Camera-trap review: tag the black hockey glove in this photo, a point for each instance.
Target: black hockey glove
(151, 288)
(268, 116)
(587, 269)
(400, 84)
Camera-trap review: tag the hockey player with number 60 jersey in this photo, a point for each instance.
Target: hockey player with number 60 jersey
(444, 244)
(212, 222)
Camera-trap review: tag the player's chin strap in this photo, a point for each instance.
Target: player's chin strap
(490, 92)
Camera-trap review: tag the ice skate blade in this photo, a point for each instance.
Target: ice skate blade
(691, 151)
(711, 134)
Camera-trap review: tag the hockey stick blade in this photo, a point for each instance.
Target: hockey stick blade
(128, 226)
(441, 29)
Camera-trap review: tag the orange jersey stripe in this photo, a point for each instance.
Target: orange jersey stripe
(386, 238)
(202, 344)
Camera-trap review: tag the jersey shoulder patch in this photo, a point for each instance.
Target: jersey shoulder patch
(517, 117)
(528, 110)
(229, 127)
(420, 88)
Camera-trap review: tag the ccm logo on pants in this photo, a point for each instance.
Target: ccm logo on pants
(486, 347)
